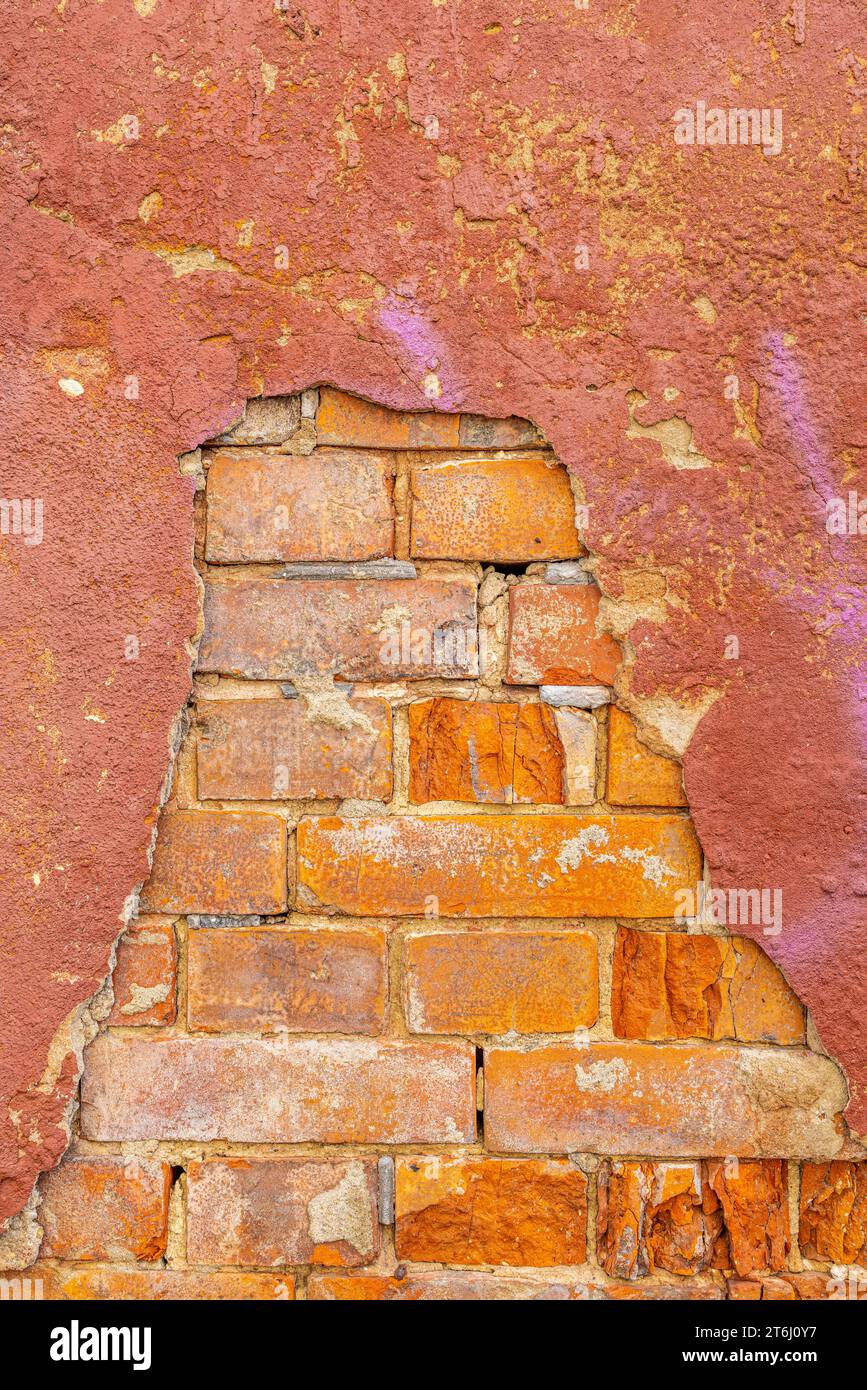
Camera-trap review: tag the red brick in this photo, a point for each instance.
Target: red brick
(496, 866)
(277, 629)
(105, 1209)
(637, 776)
(649, 1099)
(553, 637)
(282, 1092)
(157, 1285)
(345, 419)
(833, 1216)
(669, 985)
(263, 750)
(500, 982)
(753, 1199)
(506, 510)
(472, 1211)
(293, 980)
(333, 504)
(218, 862)
(145, 975)
(277, 1212)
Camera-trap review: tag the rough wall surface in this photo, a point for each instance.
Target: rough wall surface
(438, 206)
(412, 1008)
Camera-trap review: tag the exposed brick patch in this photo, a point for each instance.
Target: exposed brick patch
(423, 1074)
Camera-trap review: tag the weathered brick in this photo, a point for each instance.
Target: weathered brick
(497, 866)
(145, 975)
(454, 1285)
(675, 985)
(276, 629)
(157, 1285)
(648, 1099)
(553, 637)
(329, 505)
(507, 510)
(349, 420)
(650, 1217)
(293, 980)
(218, 862)
(283, 1092)
(809, 1286)
(480, 432)
(472, 1211)
(833, 1217)
(637, 776)
(105, 1209)
(753, 1200)
(500, 982)
(278, 1212)
(481, 751)
(262, 750)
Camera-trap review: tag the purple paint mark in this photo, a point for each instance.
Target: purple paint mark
(402, 317)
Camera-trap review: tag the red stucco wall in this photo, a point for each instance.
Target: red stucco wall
(429, 170)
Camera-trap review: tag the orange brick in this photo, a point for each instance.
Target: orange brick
(265, 1091)
(278, 1212)
(753, 1198)
(263, 750)
(650, 1217)
(459, 1286)
(496, 866)
(647, 1099)
(488, 1211)
(157, 1285)
(553, 637)
(349, 420)
(503, 509)
(261, 980)
(636, 776)
(218, 862)
(500, 982)
(833, 1216)
(462, 750)
(105, 1209)
(145, 975)
(277, 629)
(673, 985)
(330, 505)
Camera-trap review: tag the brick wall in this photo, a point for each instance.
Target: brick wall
(408, 1010)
